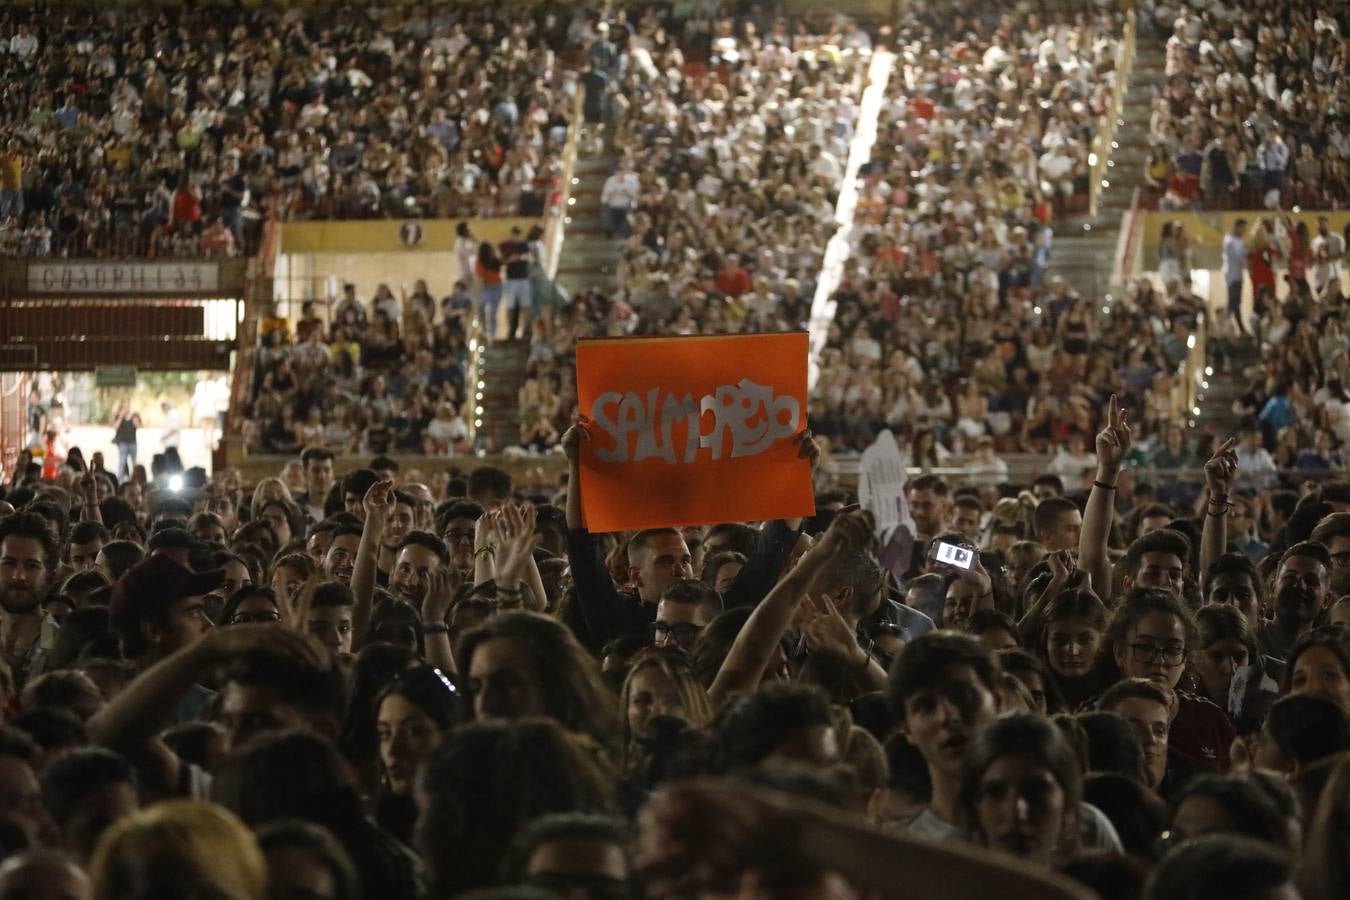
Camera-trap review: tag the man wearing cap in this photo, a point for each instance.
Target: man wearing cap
(159, 607)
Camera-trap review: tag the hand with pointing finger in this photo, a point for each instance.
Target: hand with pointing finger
(828, 633)
(1113, 442)
(1221, 468)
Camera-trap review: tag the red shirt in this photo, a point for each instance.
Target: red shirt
(733, 282)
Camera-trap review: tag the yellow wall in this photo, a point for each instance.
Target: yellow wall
(303, 276)
(383, 235)
(1206, 229)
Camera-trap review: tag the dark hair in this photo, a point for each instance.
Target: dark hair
(713, 564)
(689, 591)
(922, 662)
(456, 509)
(315, 454)
(1051, 480)
(358, 481)
(205, 520)
(1251, 811)
(1112, 745)
(376, 665)
(556, 826)
(858, 570)
(1018, 734)
(1138, 603)
(568, 678)
(1308, 727)
(1320, 638)
(85, 532)
(754, 726)
(33, 527)
(1310, 549)
(1138, 689)
(315, 693)
(318, 842)
(1137, 813)
(485, 781)
(77, 774)
(329, 594)
(247, 592)
(740, 537)
(1217, 867)
(1164, 540)
(1019, 663)
(983, 620)
(1050, 509)
(51, 727)
(1240, 564)
(427, 688)
(384, 462)
(62, 689)
(935, 483)
(429, 541)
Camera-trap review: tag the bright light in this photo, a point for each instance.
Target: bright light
(473, 344)
(1105, 183)
(1209, 370)
(482, 384)
(1092, 159)
(478, 410)
(175, 483)
(1196, 410)
(1106, 309)
(1109, 298)
(1190, 342)
(571, 201)
(1115, 145)
(477, 423)
(1036, 310)
(1110, 163)
(1204, 385)
(576, 181)
(478, 396)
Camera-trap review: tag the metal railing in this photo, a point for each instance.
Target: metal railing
(1101, 144)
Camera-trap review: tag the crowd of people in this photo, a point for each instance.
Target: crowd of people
(1249, 111)
(140, 130)
(945, 320)
(398, 683)
(732, 134)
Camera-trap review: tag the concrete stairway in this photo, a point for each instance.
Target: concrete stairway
(1224, 385)
(1085, 246)
(589, 258)
(501, 372)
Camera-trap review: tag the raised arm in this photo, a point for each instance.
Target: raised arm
(754, 646)
(705, 833)
(89, 509)
(435, 607)
(1113, 442)
(517, 575)
(597, 597)
(378, 503)
(1219, 473)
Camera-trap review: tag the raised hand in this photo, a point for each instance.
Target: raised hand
(1221, 468)
(516, 528)
(1113, 441)
(851, 530)
(572, 438)
(808, 448)
(442, 584)
(829, 634)
(1062, 566)
(379, 502)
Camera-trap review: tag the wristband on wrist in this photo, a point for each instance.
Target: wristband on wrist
(485, 551)
(1103, 485)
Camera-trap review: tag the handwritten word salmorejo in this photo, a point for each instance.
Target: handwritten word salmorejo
(646, 427)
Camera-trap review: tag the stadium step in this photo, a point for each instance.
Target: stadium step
(501, 374)
(1222, 386)
(590, 258)
(1084, 248)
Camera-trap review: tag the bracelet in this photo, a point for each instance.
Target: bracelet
(1223, 509)
(1103, 485)
(489, 550)
(867, 660)
(436, 629)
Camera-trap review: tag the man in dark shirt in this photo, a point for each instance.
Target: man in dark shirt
(657, 557)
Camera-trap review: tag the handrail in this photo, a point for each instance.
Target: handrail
(1127, 244)
(258, 281)
(554, 234)
(1193, 367)
(1101, 144)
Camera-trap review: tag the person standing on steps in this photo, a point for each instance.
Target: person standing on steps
(1234, 264)
(124, 424)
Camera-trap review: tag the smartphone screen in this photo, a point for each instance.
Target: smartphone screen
(952, 555)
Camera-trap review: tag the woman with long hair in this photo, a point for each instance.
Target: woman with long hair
(411, 714)
(1021, 790)
(521, 664)
(661, 683)
(1071, 638)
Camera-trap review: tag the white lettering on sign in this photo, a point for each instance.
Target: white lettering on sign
(643, 427)
(122, 277)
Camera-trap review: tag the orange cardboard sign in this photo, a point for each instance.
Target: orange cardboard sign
(693, 430)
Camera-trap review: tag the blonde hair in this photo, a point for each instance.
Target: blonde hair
(180, 839)
(697, 708)
(1019, 510)
(260, 495)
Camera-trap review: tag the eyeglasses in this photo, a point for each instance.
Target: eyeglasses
(682, 632)
(1171, 654)
(459, 534)
(262, 618)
